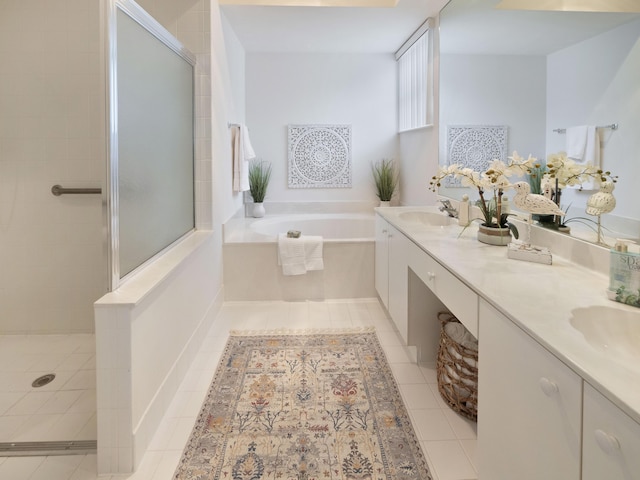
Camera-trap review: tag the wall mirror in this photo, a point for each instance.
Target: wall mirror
(536, 72)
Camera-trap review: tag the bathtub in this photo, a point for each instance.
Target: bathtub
(251, 270)
(332, 227)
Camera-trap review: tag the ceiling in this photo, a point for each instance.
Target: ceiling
(328, 29)
(314, 3)
(478, 27)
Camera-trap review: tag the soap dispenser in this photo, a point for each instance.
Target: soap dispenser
(624, 273)
(463, 211)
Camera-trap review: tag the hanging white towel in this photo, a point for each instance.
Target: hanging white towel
(592, 149)
(299, 255)
(241, 152)
(583, 144)
(577, 142)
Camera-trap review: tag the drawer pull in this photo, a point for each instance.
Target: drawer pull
(384, 231)
(608, 443)
(548, 387)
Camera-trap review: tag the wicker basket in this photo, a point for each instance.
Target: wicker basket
(457, 371)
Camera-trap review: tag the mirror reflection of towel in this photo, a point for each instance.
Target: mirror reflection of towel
(583, 144)
(241, 153)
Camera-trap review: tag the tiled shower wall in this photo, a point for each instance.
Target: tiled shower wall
(51, 132)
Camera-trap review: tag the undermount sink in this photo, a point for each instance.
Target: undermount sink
(427, 218)
(609, 330)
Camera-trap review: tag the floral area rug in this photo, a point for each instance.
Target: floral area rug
(303, 407)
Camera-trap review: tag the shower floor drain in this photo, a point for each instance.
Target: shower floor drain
(43, 380)
(43, 449)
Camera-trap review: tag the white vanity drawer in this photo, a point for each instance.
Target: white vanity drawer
(455, 295)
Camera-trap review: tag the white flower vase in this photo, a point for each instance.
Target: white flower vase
(258, 210)
(385, 203)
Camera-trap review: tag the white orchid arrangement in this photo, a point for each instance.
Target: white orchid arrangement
(494, 180)
(566, 172)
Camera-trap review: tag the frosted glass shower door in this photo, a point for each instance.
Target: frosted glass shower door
(153, 175)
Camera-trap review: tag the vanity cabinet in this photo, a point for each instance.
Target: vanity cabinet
(611, 440)
(537, 418)
(455, 295)
(382, 260)
(530, 406)
(395, 255)
(391, 273)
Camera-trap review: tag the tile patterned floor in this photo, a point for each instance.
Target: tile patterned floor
(448, 440)
(64, 409)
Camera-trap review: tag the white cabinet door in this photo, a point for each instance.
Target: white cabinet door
(391, 273)
(399, 246)
(611, 443)
(382, 260)
(529, 406)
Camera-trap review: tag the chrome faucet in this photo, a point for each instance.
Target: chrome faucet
(447, 207)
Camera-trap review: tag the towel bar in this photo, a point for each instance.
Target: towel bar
(613, 126)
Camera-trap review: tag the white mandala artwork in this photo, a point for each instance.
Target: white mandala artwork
(474, 146)
(319, 156)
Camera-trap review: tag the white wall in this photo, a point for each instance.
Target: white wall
(597, 82)
(495, 90)
(356, 89)
(419, 162)
(229, 106)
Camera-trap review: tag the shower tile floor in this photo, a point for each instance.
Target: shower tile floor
(64, 409)
(448, 440)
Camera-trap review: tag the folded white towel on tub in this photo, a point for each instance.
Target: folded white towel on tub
(299, 255)
(313, 252)
(291, 255)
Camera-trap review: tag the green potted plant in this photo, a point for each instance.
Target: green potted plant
(385, 176)
(534, 177)
(259, 176)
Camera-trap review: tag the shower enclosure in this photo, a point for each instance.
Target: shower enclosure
(85, 197)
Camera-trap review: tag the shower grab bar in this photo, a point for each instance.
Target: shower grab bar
(58, 190)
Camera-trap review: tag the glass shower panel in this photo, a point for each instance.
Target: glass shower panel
(155, 144)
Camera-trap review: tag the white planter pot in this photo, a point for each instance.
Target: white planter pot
(385, 204)
(494, 236)
(258, 210)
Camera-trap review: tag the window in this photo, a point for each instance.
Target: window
(414, 81)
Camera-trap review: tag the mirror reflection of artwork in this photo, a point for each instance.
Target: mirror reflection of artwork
(319, 156)
(474, 146)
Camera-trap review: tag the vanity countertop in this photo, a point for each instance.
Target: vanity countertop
(538, 298)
